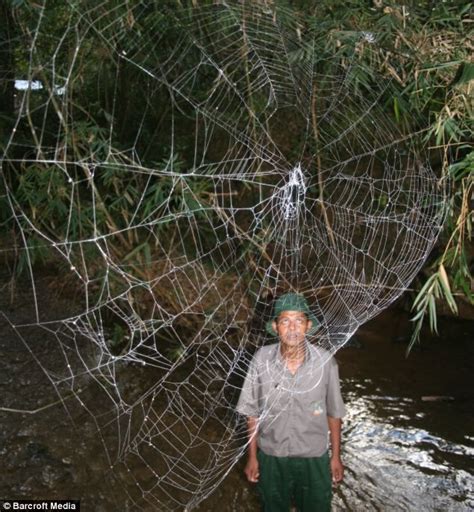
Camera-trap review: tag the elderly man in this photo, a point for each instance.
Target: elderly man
(292, 400)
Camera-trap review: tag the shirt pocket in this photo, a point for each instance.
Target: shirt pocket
(313, 404)
(274, 401)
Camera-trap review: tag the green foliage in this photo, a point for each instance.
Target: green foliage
(118, 339)
(425, 49)
(459, 226)
(436, 287)
(422, 48)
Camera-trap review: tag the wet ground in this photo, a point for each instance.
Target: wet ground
(408, 436)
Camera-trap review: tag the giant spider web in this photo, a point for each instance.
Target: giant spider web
(192, 164)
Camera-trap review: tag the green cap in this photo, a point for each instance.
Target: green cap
(291, 302)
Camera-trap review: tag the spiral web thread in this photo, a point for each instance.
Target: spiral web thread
(248, 166)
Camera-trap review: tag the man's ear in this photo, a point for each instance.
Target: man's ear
(309, 325)
(274, 326)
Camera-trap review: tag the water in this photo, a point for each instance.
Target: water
(394, 459)
(408, 438)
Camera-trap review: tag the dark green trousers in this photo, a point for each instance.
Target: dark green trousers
(304, 482)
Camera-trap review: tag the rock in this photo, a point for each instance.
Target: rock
(435, 398)
(28, 485)
(52, 475)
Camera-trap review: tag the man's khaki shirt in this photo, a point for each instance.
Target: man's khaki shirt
(292, 409)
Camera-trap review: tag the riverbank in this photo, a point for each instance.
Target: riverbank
(408, 436)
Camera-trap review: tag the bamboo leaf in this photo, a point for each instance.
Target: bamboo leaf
(396, 109)
(415, 336)
(135, 251)
(419, 315)
(444, 280)
(432, 314)
(424, 291)
(464, 74)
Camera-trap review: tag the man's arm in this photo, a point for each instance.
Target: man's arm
(251, 468)
(337, 469)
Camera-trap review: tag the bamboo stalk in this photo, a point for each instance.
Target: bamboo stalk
(319, 165)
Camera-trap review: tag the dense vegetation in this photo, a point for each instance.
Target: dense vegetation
(424, 48)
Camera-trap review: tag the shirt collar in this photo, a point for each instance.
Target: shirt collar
(308, 355)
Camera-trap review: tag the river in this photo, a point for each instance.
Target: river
(408, 438)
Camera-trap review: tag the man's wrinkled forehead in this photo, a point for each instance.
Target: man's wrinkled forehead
(292, 314)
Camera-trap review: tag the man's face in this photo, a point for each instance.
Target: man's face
(291, 327)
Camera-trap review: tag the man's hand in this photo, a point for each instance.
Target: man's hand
(251, 469)
(337, 469)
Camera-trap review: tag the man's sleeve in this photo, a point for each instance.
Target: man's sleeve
(248, 400)
(334, 404)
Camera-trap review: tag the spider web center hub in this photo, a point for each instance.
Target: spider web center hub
(293, 193)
